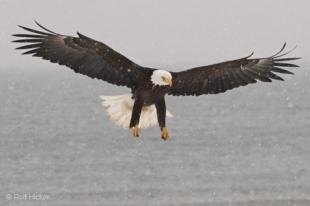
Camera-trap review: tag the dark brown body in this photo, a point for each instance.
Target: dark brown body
(146, 95)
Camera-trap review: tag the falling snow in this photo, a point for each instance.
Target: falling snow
(249, 144)
(247, 147)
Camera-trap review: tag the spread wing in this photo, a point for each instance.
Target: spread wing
(224, 76)
(82, 54)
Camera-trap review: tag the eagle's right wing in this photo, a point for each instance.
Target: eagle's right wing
(218, 78)
(82, 54)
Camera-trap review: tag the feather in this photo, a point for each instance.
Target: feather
(34, 31)
(286, 59)
(29, 46)
(29, 36)
(31, 51)
(27, 40)
(285, 65)
(279, 70)
(274, 76)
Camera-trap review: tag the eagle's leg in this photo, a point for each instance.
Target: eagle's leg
(135, 117)
(161, 117)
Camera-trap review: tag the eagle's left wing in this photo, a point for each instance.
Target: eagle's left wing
(224, 76)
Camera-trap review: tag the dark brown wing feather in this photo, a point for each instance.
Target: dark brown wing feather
(82, 54)
(224, 76)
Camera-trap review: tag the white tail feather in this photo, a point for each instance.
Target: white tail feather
(119, 109)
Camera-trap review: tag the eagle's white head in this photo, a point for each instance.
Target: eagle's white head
(161, 78)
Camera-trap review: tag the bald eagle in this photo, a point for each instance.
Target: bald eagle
(145, 105)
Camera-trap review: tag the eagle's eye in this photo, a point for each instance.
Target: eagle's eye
(163, 78)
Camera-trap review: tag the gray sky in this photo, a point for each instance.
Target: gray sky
(171, 34)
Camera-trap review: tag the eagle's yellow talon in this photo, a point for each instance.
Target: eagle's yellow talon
(164, 133)
(135, 131)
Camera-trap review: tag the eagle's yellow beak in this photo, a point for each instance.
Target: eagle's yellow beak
(168, 81)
